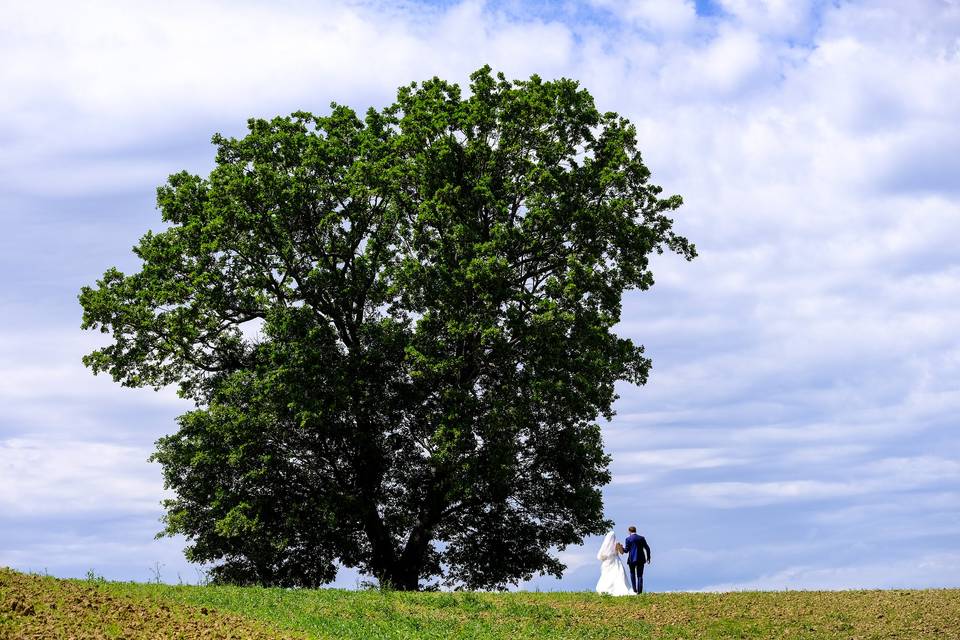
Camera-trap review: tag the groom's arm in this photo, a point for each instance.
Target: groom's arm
(646, 548)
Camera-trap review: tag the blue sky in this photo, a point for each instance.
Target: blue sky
(799, 429)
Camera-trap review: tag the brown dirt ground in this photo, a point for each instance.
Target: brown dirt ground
(35, 607)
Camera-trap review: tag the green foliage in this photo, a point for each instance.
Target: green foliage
(93, 577)
(398, 333)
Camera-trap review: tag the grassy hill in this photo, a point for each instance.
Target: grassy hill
(42, 607)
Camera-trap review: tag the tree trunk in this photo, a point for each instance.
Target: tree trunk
(383, 557)
(404, 578)
(409, 566)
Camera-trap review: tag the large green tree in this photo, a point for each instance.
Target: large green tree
(398, 332)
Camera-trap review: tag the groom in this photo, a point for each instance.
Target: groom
(638, 553)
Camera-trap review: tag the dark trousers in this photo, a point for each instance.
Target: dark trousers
(636, 575)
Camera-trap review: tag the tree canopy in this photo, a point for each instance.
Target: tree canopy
(398, 333)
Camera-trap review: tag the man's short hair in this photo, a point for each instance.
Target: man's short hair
(632, 529)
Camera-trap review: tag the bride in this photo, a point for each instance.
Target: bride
(613, 577)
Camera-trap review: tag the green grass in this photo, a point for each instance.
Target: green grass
(332, 613)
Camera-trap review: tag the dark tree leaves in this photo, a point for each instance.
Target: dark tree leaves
(397, 331)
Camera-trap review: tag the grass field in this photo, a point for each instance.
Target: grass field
(42, 607)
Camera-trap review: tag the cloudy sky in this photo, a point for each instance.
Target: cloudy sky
(799, 429)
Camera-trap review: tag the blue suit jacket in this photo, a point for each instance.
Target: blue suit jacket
(637, 549)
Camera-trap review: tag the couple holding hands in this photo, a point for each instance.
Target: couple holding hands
(613, 576)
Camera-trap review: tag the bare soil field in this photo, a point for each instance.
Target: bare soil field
(46, 608)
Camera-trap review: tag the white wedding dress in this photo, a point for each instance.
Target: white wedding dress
(613, 575)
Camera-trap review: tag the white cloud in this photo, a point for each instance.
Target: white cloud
(923, 571)
(128, 75)
(774, 17)
(664, 460)
(740, 494)
(808, 358)
(663, 17)
(69, 477)
(47, 390)
(725, 64)
(69, 553)
(880, 479)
